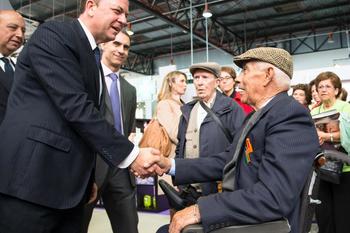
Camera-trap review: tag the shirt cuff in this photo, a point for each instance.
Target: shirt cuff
(172, 168)
(131, 157)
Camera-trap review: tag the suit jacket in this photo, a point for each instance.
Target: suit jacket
(5, 87)
(284, 142)
(53, 127)
(128, 108)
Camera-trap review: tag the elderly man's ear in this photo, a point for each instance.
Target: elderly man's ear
(270, 73)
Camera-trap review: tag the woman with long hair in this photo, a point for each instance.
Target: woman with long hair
(169, 104)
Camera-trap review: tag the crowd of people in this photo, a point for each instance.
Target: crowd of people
(244, 144)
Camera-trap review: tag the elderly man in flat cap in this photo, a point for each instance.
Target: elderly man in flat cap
(199, 134)
(266, 166)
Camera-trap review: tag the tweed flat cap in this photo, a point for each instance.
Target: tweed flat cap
(211, 67)
(275, 56)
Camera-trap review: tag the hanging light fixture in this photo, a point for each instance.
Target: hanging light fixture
(330, 38)
(206, 12)
(128, 30)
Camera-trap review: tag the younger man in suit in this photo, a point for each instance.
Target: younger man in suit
(117, 186)
(275, 150)
(12, 28)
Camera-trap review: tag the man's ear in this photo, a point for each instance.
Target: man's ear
(91, 7)
(270, 73)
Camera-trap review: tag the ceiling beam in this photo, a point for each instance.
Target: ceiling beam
(262, 6)
(23, 3)
(274, 17)
(172, 21)
(312, 23)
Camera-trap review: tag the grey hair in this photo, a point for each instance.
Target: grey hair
(282, 80)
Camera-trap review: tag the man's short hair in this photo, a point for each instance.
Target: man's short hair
(83, 3)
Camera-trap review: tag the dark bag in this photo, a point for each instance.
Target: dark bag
(331, 171)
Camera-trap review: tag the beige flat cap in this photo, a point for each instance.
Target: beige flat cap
(211, 67)
(275, 56)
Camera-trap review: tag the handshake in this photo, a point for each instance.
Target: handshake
(150, 162)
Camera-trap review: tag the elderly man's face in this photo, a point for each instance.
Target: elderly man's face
(12, 28)
(250, 83)
(205, 84)
(108, 18)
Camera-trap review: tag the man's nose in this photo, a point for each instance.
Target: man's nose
(19, 34)
(123, 20)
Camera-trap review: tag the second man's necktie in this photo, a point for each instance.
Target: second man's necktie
(8, 68)
(115, 101)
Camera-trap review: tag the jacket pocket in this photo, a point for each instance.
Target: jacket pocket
(50, 138)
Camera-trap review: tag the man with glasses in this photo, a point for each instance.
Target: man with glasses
(227, 84)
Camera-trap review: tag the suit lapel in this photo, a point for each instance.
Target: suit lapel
(92, 70)
(123, 100)
(5, 80)
(230, 168)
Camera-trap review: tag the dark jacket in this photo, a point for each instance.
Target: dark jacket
(212, 139)
(53, 127)
(5, 87)
(284, 142)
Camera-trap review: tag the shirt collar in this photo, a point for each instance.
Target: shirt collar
(107, 71)
(90, 37)
(210, 103)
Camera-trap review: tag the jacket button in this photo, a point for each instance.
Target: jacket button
(194, 146)
(195, 130)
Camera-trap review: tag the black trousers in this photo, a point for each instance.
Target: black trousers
(18, 216)
(332, 213)
(119, 199)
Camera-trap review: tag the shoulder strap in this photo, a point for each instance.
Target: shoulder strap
(218, 121)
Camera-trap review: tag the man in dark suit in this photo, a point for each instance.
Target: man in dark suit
(12, 28)
(117, 186)
(54, 124)
(275, 150)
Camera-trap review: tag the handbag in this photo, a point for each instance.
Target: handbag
(331, 171)
(157, 137)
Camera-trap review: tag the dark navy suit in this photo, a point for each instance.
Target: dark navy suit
(53, 127)
(284, 143)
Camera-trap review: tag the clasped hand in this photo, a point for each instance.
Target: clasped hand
(150, 162)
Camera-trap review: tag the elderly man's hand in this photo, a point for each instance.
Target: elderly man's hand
(185, 217)
(144, 164)
(164, 165)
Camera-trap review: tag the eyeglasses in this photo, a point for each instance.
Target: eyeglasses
(325, 87)
(225, 78)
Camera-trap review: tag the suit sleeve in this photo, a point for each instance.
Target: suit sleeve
(57, 68)
(290, 147)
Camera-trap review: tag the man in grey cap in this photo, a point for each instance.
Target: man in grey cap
(266, 166)
(199, 134)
